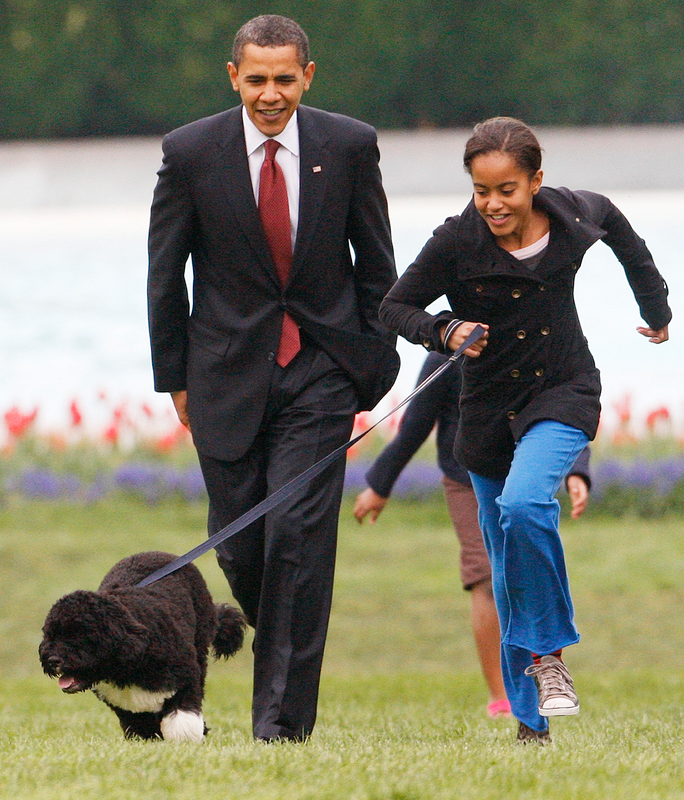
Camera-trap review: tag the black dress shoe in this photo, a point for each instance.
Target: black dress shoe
(279, 739)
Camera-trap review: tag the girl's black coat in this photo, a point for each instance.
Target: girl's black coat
(537, 364)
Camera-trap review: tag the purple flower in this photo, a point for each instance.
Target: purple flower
(43, 484)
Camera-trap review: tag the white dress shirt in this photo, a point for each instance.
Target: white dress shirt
(287, 156)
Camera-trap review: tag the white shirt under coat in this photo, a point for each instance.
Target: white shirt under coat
(287, 156)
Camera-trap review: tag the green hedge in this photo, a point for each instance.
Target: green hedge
(92, 67)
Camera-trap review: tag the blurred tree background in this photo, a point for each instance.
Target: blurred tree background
(115, 67)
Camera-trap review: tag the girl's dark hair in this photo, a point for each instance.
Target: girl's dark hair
(504, 135)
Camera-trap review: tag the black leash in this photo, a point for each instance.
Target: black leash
(301, 480)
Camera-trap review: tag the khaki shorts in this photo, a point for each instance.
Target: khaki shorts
(462, 506)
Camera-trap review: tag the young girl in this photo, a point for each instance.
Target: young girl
(530, 395)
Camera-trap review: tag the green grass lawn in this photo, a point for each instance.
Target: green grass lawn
(402, 702)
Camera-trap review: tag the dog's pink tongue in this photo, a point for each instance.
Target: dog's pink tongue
(66, 683)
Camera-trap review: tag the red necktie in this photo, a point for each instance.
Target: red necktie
(275, 219)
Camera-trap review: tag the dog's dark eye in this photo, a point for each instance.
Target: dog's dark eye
(70, 631)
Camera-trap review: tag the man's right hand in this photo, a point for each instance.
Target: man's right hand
(369, 502)
(180, 403)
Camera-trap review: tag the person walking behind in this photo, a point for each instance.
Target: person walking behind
(438, 405)
(530, 398)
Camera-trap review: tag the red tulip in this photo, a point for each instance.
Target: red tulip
(657, 414)
(76, 416)
(18, 423)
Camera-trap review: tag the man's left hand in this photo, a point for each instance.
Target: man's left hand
(180, 403)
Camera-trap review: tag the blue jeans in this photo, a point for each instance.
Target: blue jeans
(519, 520)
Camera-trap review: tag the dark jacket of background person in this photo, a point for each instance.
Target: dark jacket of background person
(537, 364)
(437, 404)
(224, 352)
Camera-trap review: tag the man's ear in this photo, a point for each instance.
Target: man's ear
(308, 75)
(232, 71)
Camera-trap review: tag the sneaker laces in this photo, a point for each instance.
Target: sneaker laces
(553, 677)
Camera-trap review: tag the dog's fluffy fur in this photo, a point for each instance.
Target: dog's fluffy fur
(143, 651)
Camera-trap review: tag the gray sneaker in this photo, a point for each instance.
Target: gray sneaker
(528, 735)
(557, 696)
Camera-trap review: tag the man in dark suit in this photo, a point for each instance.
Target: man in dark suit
(282, 345)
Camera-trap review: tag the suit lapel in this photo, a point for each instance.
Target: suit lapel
(232, 174)
(314, 161)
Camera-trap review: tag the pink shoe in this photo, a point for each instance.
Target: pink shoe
(499, 708)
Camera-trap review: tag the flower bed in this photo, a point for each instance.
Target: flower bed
(138, 454)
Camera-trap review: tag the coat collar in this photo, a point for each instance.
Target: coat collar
(232, 170)
(572, 233)
(314, 168)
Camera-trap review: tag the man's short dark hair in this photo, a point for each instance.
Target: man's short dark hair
(271, 30)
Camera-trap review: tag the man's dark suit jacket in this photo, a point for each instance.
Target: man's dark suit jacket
(223, 353)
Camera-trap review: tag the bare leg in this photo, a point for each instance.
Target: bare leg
(487, 639)
(476, 576)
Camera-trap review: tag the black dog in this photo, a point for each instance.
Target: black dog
(142, 651)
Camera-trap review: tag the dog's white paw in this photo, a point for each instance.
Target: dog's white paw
(183, 726)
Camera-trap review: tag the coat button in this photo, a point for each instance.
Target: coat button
(521, 334)
(479, 287)
(516, 293)
(515, 373)
(426, 344)
(545, 331)
(542, 288)
(574, 266)
(511, 415)
(539, 372)
(271, 356)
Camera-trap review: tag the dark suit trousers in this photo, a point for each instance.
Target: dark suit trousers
(281, 568)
